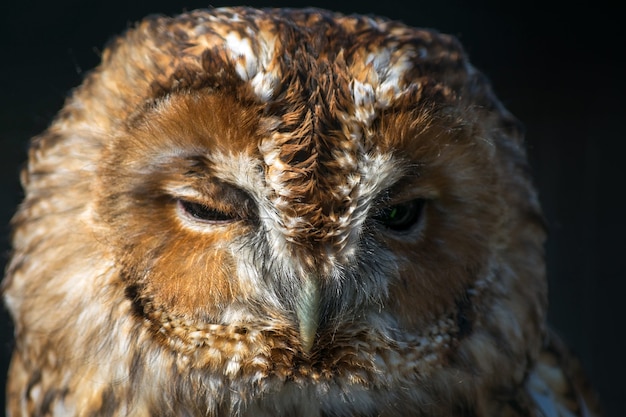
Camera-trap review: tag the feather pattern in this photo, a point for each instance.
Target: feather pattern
(283, 212)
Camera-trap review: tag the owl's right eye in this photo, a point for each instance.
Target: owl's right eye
(203, 213)
(401, 217)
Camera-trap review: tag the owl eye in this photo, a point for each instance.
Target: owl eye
(400, 217)
(203, 213)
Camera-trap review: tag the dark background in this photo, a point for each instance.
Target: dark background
(557, 66)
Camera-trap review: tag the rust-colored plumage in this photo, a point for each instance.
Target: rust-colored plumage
(283, 212)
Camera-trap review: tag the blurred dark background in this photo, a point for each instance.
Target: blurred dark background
(558, 66)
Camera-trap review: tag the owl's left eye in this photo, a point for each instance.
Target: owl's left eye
(400, 217)
(203, 213)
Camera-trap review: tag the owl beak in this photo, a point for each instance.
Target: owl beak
(307, 311)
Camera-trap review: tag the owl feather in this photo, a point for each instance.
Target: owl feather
(283, 212)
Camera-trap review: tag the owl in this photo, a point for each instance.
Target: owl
(283, 212)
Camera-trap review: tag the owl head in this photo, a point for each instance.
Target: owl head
(240, 205)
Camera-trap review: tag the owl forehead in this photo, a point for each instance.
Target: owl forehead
(319, 165)
(269, 62)
(305, 51)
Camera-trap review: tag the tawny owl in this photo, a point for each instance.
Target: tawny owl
(248, 212)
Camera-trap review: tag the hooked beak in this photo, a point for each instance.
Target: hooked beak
(307, 311)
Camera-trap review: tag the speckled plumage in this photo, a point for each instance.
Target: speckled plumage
(283, 212)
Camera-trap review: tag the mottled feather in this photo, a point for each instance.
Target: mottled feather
(283, 212)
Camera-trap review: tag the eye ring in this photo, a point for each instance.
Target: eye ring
(199, 212)
(401, 217)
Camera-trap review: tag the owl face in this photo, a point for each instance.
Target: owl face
(304, 197)
(248, 230)
(294, 199)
